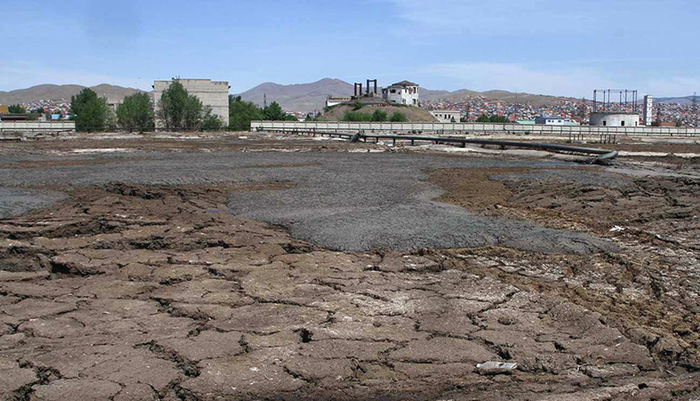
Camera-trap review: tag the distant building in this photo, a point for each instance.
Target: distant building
(666, 124)
(333, 101)
(648, 112)
(446, 116)
(14, 117)
(113, 103)
(404, 92)
(614, 119)
(211, 93)
(548, 120)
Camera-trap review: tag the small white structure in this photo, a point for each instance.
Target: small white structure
(648, 112)
(446, 116)
(113, 103)
(404, 92)
(614, 119)
(333, 101)
(211, 93)
(547, 120)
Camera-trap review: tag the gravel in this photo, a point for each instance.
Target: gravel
(343, 201)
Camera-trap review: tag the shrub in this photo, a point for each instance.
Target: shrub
(356, 116)
(212, 122)
(379, 115)
(398, 117)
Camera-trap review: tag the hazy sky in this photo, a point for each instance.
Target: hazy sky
(560, 47)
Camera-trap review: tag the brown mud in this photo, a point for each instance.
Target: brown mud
(138, 292)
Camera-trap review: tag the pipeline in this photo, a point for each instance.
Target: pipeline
(602, 156)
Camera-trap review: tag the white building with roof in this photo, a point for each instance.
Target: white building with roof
(614, 119)
(404, 92)
(550, 120)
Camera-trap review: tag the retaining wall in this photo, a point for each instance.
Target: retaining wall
(467, 128)
(37, 126)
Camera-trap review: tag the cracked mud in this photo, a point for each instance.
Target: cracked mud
(147, 290)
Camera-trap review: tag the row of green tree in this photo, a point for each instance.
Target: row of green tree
(177, 110)
(378, 116)
(18, 109)
(15, 109)
(492, 119)
(241, 113)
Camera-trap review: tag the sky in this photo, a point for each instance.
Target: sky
(556, 47)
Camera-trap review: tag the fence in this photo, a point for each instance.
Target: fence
(467, 128)
(36, 126)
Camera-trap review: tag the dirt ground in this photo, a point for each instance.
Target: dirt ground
(128, 291)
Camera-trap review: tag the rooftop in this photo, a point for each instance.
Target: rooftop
(404, 83)
(615, 112)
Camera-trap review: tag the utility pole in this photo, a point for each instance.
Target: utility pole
(264, 100)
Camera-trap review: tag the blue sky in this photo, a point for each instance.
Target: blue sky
(559, 47)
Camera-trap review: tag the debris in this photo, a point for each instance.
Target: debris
(495, 368)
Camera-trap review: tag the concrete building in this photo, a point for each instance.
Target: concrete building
(211, 93)
(446, 116)
(614, 119)
(404, 92)
(648, 111)
(548, 120)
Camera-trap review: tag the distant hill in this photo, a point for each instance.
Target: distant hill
(61, 93)
(680, 100)
(298, 97)
(312, 96)
(492, 95)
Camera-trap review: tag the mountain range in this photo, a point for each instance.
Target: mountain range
(61, 93)
(312, 96)
(297, 97)
(680, 100)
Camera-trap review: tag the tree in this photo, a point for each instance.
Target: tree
(194, 114)
(398, 117)
(241, 113)
(89, 111)
(171, 107)
(15, 109)
(492, 119)
(379, 115)
(211, 122)
(179, 110)
(274, 112)
(499, 119)
(135, 113)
